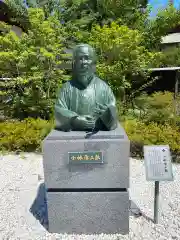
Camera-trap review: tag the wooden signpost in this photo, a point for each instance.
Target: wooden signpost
(158, 168)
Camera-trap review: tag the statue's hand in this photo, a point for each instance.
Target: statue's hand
(100, 109)
(84, 123)
(108, 115)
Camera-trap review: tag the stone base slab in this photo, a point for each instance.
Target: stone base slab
(88, 212)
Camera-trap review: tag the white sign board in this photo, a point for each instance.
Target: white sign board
(158, 163)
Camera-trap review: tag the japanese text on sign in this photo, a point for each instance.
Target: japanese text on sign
(86, 157)
(158, 163)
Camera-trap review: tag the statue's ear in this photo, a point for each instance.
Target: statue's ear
(94, 68)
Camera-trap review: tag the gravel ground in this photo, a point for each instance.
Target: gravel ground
(22, 218)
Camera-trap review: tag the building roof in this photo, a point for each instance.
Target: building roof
(164, 69)
(171, 38)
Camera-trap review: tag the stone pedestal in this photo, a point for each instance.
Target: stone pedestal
(87, 198)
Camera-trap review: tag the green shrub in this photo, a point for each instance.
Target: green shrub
(25, 136)
(158, 107)
(141, 134)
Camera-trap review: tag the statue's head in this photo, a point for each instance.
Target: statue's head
(84, 61)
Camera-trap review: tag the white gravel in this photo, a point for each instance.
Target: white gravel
(21, 176)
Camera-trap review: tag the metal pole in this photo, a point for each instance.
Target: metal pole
(176, 92)
(156, 202)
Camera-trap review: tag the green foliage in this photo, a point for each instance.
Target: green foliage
(171, 57)
(51, 7)
(153, 121)
(19, 7)
(81, 15)
(158, 107)
(32, 61)
(141, 134)
(84, 13)
(17, 13)
(23, 136)
(121, 55)
(165, 21)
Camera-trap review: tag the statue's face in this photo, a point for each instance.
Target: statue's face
(83, 61)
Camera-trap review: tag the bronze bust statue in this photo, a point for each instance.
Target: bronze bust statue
(85, 103)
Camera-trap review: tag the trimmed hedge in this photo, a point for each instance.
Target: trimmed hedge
(142, 134)
(27, 135)
(23, 136)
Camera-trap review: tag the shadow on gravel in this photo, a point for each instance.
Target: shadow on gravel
(149, 219)
(39, 207)
(135, 211)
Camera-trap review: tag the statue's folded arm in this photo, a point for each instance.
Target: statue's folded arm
(63, 115)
